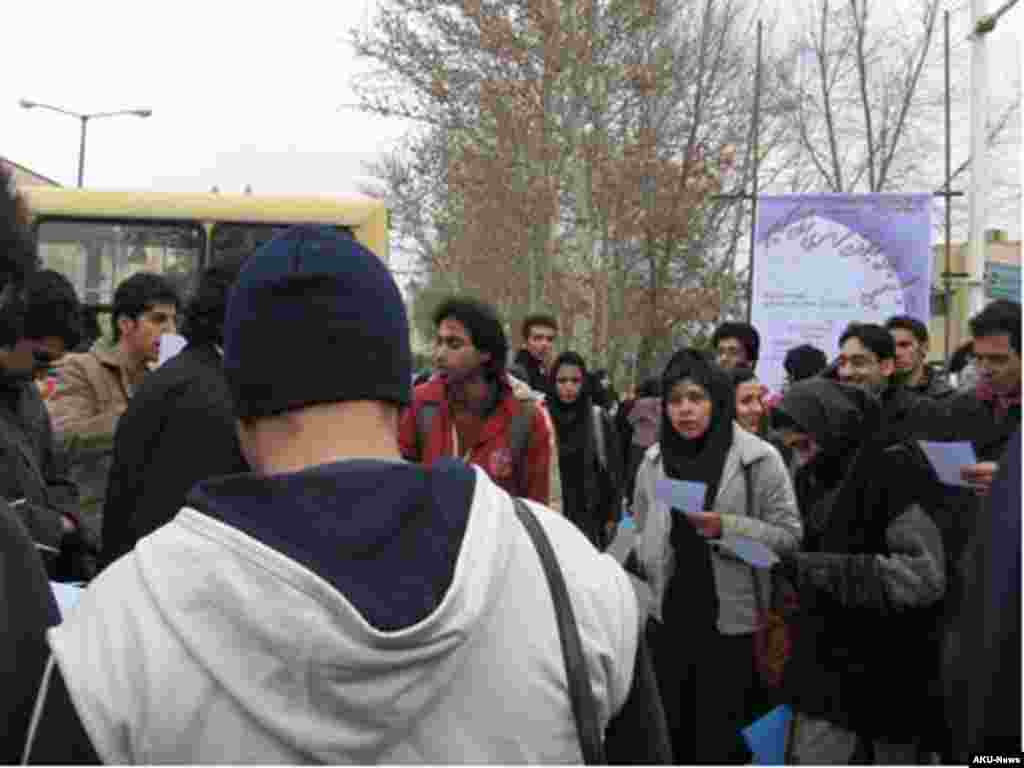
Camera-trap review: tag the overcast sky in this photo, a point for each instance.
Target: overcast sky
(241, 93)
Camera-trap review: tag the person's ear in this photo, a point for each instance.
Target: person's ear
(888, 367)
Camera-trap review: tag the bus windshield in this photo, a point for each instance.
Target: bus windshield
(231, 238)
(97, 255)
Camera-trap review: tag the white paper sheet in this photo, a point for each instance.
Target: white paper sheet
(67, 596)
(684, 495)
(948, 458)
(170, 345)
(750, 551)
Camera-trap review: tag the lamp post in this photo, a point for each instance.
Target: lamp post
(84, 120)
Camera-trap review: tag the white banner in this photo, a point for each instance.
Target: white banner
(824, 261)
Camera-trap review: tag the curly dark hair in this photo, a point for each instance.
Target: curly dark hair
(483, 324)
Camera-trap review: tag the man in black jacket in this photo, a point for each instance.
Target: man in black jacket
(537, 354)
(179, 427)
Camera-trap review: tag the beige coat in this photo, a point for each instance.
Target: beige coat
(93, 390)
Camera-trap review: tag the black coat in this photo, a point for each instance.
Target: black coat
(983, 669)
(29, 467)
(179, 429)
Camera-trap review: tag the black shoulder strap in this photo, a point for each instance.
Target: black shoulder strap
(56, 734)
(581, 695)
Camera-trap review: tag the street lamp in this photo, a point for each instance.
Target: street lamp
(84, 118)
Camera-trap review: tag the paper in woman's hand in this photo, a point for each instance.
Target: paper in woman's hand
(750, 551)
(684, 495)
(948, 458)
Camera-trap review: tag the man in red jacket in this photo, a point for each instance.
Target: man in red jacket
(468, 409)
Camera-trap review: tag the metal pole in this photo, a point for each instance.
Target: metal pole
(753, 206)
(979, 166)
(949, 200)
(81, 150)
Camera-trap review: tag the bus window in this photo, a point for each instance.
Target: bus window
(97, 255)
(230, 238)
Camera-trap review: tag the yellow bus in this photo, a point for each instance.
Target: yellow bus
(98, 238)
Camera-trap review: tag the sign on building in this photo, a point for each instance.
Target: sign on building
(1002, 281)
(823, 261)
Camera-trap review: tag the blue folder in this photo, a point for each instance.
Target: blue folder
(767, 737)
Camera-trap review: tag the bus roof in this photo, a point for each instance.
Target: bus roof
(366, 215)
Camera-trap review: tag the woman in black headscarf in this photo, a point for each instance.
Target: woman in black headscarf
(704, 599)
(868, 581)
(588, 452)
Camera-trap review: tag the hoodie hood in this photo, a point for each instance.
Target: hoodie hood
(377, 619)
(237, 607)
(838, 416)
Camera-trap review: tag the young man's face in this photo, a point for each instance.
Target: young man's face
(861, 367)
(730, 353)
(540, 340)
(141, 337)
(455, 356)
(997, 362)
(910, 353)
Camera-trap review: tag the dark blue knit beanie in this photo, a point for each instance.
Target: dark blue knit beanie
(315, 317)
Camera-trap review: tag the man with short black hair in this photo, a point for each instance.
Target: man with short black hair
(736, 345)
(94, 387)
(867, 357)
(179, 428)
(469, 409)
(910, 336)
(539, 333)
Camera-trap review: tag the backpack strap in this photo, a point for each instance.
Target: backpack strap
(581, 694)
(519, 429)
(424, 421)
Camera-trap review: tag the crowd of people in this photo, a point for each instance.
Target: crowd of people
(286, 559)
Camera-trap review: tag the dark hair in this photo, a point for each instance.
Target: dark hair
(874, 337)
(999, 317)
(52, 308)
(804, 361)
(17, 250)
(140, 293)
(482, 323)
(538, 318)
(961, 357)
(741, 376)
(649, 388)
(204, 316)
(745, 333)
(908, 323)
